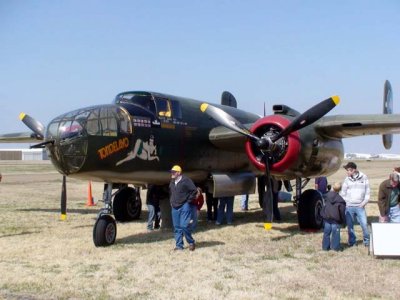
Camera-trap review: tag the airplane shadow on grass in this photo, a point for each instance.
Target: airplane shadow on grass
(240, 218)
(288, 213)
(83, 211)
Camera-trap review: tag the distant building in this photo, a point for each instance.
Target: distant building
(366, 156)
(23, 154)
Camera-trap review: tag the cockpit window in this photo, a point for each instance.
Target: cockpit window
(142, 99)
(168, 108)
(164, 107)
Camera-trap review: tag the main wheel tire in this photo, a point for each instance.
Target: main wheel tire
(104, 231)
(127, 205)
(309, 210)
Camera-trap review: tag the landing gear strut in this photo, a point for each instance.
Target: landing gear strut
(127, 206)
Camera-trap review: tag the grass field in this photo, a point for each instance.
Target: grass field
(42, 257)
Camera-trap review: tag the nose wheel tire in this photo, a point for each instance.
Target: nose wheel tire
(104, 231)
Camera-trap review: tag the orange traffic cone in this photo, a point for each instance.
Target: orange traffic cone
(89, 196)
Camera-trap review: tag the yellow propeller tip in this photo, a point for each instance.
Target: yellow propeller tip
(22, 115)
(63, 217)
(267, 226)
(336, 99)
(203, 107)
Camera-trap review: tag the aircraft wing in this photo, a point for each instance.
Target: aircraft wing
(19, 137)
(345, 126)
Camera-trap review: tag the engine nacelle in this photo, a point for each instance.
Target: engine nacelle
(288, 148)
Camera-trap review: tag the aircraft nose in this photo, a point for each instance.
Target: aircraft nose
(69, 151)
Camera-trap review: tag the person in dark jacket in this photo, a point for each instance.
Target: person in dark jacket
(334, 214)
(153, 196)
(183, 193)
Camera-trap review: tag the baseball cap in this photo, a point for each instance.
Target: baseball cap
(349, 165)
(176, 168)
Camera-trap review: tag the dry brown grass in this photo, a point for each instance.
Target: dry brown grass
(42, 257)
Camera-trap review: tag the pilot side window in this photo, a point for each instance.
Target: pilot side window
(164, 107)
(169, 108)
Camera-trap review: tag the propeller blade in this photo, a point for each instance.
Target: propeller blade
(310, 116)
(268, 197)
(226, 120)
(33, 124)
(64, 199)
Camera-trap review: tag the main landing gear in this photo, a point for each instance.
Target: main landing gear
(309, 205)
(126, 206)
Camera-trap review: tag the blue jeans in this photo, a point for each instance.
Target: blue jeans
(154, 216)
(244, 203)
(181, 217)
(331, 238)
(394, 214)
(225, 202)
(353, 212)
(193, 219)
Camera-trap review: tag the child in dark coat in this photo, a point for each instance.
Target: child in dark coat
(333, 213)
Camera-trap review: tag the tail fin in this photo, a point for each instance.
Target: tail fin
(228, 99)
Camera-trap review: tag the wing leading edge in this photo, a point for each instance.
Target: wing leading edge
(19, 137)
(345, 126)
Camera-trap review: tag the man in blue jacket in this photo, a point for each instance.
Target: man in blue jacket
(183, 192)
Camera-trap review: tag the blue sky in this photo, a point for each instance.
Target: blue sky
(56, 56)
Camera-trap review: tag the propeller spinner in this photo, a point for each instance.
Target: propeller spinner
(268, 145)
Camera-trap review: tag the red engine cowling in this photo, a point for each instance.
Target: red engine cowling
(289, 146)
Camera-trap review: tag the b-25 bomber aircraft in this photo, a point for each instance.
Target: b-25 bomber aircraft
(136, 139)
